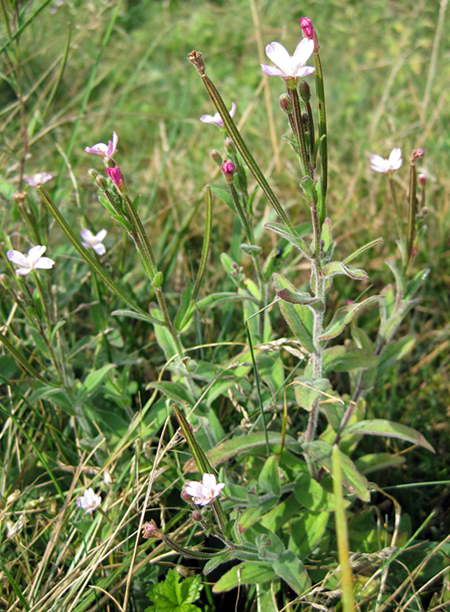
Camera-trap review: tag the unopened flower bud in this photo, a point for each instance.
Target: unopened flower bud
(305, 91)
(158, 280)
(186, 497)
(216, 156)
(117, 178)
(305, 119)
(422, 180)
(417, 154)
(424, 210)
(285, 103)
(307, 27)
(228, 169)
(189, 364)
(150, 530)
(196, 516)
(229, 145)
(4, 280)
(101, 182)
(92, 174)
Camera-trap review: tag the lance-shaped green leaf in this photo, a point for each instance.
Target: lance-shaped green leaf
(95, 378)
(173, 390)
(362, 249)
(338, 267)
(388, 328)
(382, 427)
(230, 448)
(293, 297)
(378, 461)
(224, 296)
(308, 390)
(299, 317)
(352, 480)
(163, 337)
(249, 572)
(415, 283)
(327, 239)
(344, 315)
(399, 278)
(393, 352)
(387, 303)
(223, 193)
(137, 315)
(306, 532)
(347, 358)
(269, 478)
(289, 567)
(283, 230)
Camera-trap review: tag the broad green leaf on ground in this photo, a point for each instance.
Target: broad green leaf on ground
(378, 461)
(269, 479)
(307, 531)
(94, 379)
(352, 480)
(173, 390)
(291, 569)
(346, 358)
(307, 390)
(382, 427)
(310, 494)
(248, 572)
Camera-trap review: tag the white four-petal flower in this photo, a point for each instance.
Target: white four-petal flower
(206, 491)
(101, 148)
(217, 119)
(89, 501)
(31, 261)
(379, 164)
(94, 242)
(38, 179)
(287, 66)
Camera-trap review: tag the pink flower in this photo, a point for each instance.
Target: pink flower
(150, 530)
(228, 169)
(105, 151)
(288, 67)
(307, 27)
(422, 180)
(394, 162)
(94, 242)
(206, 491)
(38, 179)
(89, 501)
(217, 119)
(117, 178)
(32, 261)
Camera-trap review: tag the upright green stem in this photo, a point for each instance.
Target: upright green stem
(299, 132)
(322, 128)
(394, 201)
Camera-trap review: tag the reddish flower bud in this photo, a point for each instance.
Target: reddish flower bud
(150, 530)
(216, 156)
(307, 27)
(285, 103)
(196, 516)
(117, 178)
(228, 169)
(417, 154)
(186, 497)
(305, 91)
(422, 180)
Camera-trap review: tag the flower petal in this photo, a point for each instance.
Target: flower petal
(35, 253)
(23, 271)
(101, 235)
(99, 248)
(45, 263)
(304, 71)
(87, 235)
(279, 56)
(209, 481)
(233, 109)
(16, 257)
(272, 71)
(303, 51)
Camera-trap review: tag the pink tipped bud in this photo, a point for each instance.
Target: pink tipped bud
(117, 178)
(216, 156)
(229, 145)
(305, 91)
(422, 180)
(417, 154)
(196, 516)
(228, 169)
(307, 27)
(150, 530)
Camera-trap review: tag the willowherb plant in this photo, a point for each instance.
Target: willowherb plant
(272, 504)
